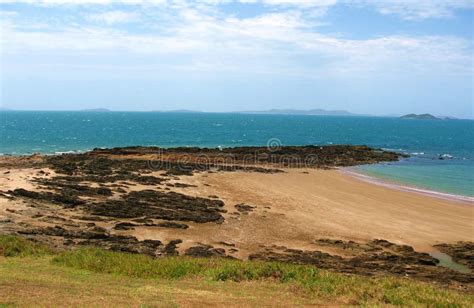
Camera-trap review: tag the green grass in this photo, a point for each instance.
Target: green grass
(14, 246)
(297, 282)
(141, 266)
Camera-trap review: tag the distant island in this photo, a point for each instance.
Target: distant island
(424, 116)
(320, 112)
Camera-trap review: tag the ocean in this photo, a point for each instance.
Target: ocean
(49, 132)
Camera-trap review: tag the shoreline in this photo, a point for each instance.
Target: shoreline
(379, 181)
(407, 188)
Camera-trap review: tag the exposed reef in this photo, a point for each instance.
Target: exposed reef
(160, 205)
(246, 158)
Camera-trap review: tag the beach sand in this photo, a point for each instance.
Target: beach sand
(294, 209)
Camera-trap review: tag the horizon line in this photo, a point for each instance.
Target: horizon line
(274, 111)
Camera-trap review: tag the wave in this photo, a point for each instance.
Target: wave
(385, 183)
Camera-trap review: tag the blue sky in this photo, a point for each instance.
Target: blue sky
(366, 56)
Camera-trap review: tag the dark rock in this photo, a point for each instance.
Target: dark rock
(60, 184)
(143, 220)
(244, 208)
(128, 244)
(170, 248)
(227, 244)
(97, 236)
(104, 191)
(170, 224)
(25, 193)
(378, 257)
(66, 198)
(160, 205)
(91, 218)
(108, 165)
(183, 185)
(125, 226)
(204, 251)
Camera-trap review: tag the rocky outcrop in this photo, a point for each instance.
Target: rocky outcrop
(66, 198)
(378, 257)
(244, 208)
(153, 204)
(243, 158)
(100, 237)
(206, 251)
(170, 224)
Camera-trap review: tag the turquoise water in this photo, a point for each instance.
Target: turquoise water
(51, 132)
(452, 177)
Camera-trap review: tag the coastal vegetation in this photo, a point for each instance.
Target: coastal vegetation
(95, 276)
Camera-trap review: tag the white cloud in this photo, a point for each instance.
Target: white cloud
(282, 41)
(270, 43)
(418, 9)
(301, 3)
(84, 2)
(406, 9)
(114, 17)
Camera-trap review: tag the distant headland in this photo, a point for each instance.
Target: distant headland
(320, 112)
(424, 116)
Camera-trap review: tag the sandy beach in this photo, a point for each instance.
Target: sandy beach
(298, 206)
(112, 199)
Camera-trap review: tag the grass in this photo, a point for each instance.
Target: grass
(90, 273)
(14, 246)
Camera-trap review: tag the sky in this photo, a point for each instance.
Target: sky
(382, 57)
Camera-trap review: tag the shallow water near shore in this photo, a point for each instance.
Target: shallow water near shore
(53, 132)
(425, 175)
(446, 261)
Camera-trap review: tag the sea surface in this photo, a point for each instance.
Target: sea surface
(49, 132)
